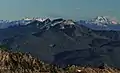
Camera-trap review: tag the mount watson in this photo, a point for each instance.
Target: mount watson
(62, 42)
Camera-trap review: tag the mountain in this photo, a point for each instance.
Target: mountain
(15, 23)
(104, 20)
(101, 23)
(64, 42)
(7, 24)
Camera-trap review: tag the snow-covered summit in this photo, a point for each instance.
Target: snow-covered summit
(38, 19)
(104, 20)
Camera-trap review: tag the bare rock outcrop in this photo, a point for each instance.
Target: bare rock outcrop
(17, 62)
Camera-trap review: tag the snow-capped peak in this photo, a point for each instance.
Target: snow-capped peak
(104, 20)
(101, 19)
(27, 19)
(38, 19)
(69, 22)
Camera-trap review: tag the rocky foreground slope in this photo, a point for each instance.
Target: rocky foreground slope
(17, 62)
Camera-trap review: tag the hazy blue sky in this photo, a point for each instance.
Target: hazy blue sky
(75, 9)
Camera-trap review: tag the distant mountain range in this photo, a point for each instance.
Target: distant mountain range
(63, 42)
(98, 23)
